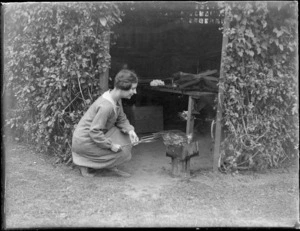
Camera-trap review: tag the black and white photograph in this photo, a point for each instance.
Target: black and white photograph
(150, 114)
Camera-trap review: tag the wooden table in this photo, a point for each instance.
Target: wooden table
(193, 95)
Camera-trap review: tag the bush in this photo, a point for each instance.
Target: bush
(55, 56)
(260, 108)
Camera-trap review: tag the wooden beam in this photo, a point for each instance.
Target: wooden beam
(189, 130)
(193, 82)
(220, 100)
(103, 82)
(195, 94)
(190, 117)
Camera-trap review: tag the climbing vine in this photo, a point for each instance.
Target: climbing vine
(55, 55)
(260, 108)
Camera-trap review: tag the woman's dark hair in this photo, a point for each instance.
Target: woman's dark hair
(124, 79)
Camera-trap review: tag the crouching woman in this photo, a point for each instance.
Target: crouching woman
(99, 137)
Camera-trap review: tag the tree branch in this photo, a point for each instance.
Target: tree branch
(71, 102)
(80, 89)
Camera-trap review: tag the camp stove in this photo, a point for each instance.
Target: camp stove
(179, 146)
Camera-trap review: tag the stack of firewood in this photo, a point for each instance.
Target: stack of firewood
(205, 81)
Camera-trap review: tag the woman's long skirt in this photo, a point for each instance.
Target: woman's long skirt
(92, 156)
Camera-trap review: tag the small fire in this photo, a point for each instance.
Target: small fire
(183, 115)
(189, 138)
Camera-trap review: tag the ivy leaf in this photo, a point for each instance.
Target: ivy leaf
(237, 17)
(103, 21)
(264, 45)
(294, 109)
(285, 30)
(242, 39)
(258, 50)
(264, 24)
(291, 47)
(278, 32)
(249, 33)
(272, 40)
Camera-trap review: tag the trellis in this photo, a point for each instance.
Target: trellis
(156, 28)
(206, 14)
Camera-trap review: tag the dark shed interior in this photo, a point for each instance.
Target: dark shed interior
(159, 39)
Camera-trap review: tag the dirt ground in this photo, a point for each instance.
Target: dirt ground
(39, 193)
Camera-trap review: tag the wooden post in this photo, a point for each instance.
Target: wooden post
(190, 117)
(220, 100)
(176, 167)
(188, 166)
(103, 82)
(183, 166)
(173, 166)
(189, 130)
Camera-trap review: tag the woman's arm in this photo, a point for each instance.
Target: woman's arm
(125, 126)
(98, 128)
(122, 121)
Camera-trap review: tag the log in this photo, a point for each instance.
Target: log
(206, 73)
(184, 79)
(190, 83)
(181, 76)
(192, 80)
(210, 78)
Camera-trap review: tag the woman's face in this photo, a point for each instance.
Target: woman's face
(128, 94)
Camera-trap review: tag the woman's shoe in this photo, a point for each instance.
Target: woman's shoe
(119, 172)
(85, 172)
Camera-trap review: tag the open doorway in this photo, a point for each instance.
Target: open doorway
(160, 39)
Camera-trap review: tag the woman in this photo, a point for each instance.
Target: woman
(104, 128)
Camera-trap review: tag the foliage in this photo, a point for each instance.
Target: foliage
(55, 56)
(260, 108)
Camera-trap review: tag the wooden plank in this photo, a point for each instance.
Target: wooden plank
(206, 73)
(209, 80)
(189, 75)
(220, 100)
(190, 83)
(183, 78)
(195, 94)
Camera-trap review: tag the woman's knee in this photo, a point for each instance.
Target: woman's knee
(127, 156)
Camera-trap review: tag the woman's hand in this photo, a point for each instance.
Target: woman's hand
(116, 147)
(133, 137)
